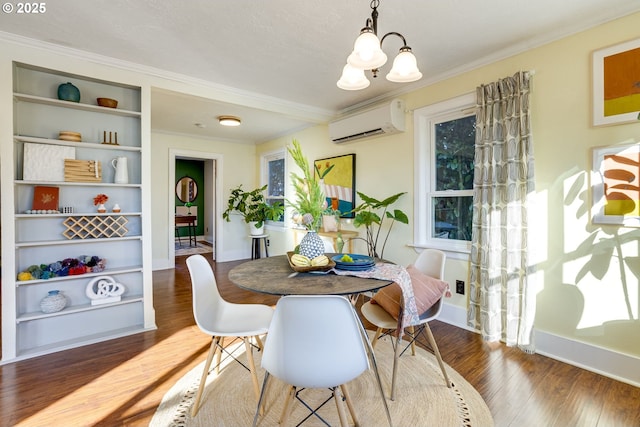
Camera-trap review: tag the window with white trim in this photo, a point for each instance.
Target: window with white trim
(273, 175)
(444, 155)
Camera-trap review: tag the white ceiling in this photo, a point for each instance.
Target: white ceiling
(275, 63)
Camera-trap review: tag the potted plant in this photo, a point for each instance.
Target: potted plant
(252, 206)
(366, 215)
(309, 204)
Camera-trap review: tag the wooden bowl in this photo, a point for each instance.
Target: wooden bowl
(67, 135)
(107, 102)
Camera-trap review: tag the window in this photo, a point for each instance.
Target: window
(273, 174)
(444, 147)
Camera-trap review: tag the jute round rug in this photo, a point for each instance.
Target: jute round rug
(422, 398)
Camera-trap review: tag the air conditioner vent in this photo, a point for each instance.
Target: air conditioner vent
(385, 119)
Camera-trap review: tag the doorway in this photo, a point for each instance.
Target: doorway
(207, 187)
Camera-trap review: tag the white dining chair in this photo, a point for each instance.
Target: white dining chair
(219, 318)
(430, 262)
(315, 341)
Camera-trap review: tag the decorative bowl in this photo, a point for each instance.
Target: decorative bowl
(67, 135)
(107, 102)
(305, 269)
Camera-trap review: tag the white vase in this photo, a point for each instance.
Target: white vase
(53, 302)
(254, 230)
(101, 208)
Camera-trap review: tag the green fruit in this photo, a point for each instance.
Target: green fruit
(346, 258)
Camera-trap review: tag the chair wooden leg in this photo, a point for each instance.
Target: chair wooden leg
(259, 342)
(413, 342)
(396, 357)
(220, 342)
(375, 338)
(205, 372)
(286, 410)
(347, 398)
(252, 367)
(434, 346)
(337, 396)
(263, 393)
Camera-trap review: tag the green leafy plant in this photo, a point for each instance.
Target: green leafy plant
(310, 202)
(252, 207)
(367, 216)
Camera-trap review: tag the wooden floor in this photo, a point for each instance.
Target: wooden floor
(121, 382)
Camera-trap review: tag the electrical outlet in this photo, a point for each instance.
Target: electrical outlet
(268, 242)
(460, 287)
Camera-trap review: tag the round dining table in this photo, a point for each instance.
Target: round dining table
(275, 276)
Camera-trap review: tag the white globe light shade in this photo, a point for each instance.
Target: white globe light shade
(367, 54)
(352, 79)
(405, 68)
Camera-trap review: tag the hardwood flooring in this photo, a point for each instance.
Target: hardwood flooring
(121, 382)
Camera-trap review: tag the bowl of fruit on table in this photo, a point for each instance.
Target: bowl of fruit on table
(303, 264)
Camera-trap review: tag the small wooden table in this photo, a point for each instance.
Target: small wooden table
(190, 220)
(273, 276)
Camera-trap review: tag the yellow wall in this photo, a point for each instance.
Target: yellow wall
(591, 308)
(598, 307)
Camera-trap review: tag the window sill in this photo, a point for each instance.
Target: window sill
(452, 251)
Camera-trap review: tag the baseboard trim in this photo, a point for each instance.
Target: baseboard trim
(618, 366)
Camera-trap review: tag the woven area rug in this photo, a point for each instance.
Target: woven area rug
(199, 248)
(422, 398)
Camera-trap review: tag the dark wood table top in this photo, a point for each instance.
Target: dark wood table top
(272, 276)
(185, 219)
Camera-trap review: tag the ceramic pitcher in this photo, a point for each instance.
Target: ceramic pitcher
(122, 174)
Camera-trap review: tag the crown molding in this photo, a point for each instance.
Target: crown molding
(218, 92)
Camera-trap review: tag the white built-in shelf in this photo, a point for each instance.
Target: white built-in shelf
(77, 214)
(73, 241)
(75, 184)
(75, 105)
(105, 272)
(80, 144)
(37, 315)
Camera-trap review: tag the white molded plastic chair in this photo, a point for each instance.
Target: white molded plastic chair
(315, 341)
(219, 318)
(431, 262)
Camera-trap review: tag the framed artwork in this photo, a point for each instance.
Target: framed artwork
(616, 86)
(615, 183)
(337, 175)
(45, 198)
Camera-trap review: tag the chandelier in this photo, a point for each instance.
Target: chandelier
(368, 55)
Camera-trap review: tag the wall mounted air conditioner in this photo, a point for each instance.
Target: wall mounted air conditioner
(385, 119)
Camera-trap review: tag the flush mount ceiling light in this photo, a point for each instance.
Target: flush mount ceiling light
(229, 120)
(368, 55)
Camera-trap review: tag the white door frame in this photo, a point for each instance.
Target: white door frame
(175, 153)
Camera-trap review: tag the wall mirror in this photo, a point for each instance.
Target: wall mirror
(186, 189)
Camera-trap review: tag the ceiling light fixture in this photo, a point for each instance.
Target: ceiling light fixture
(229, 120)
(368, 55)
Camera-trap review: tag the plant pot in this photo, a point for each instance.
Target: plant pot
(101, 208)
(254, 230)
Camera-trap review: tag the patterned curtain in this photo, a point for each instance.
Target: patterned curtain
(502, 298)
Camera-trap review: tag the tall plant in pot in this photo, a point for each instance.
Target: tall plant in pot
(251, 205)
(309, 205)
(371, 214)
